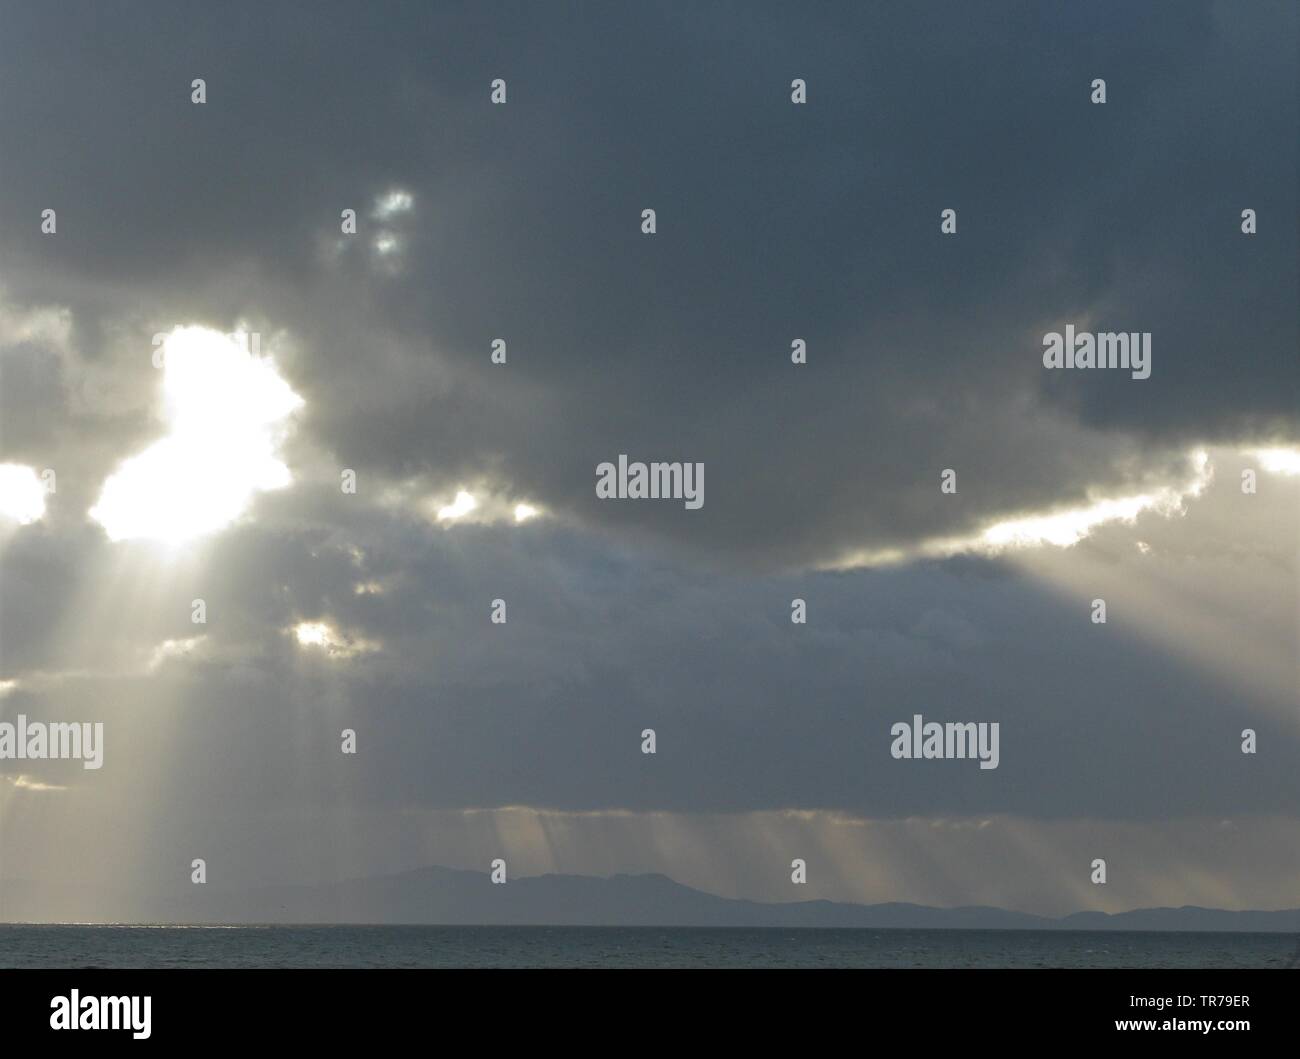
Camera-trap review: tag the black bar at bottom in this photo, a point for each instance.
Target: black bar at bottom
(676, 1008)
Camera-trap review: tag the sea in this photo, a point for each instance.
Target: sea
(70, 946)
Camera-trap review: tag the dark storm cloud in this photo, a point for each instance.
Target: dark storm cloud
(776, 222)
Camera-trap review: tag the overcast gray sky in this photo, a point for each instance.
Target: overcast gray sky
(776, 221)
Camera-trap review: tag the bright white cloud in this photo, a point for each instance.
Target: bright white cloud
(458, 508)
(22, 494)
(323, 636)
(487, 504)
(1279, 460)
(227, 412)
(1064, 528)
(1061, 528)
(169, 649)
(393, 202)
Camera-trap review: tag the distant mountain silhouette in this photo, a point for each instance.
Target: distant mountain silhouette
(449, 896)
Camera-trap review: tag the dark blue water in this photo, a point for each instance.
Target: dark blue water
(386, 946)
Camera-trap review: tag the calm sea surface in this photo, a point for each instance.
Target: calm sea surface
(372, 946)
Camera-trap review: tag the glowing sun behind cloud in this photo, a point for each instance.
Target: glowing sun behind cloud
(22, 496)
(227, 413)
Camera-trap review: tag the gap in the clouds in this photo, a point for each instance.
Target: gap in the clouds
(227, 411)
(1059, 527)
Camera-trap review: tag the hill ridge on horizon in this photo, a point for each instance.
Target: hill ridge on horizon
(441, 895)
